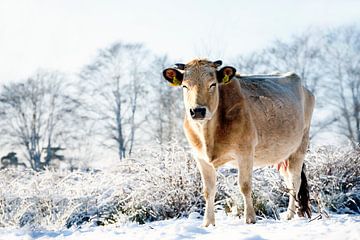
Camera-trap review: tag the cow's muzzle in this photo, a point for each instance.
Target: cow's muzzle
(198, 113)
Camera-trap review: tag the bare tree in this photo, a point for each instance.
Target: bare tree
(251, 63)
(115, 83)
(342, 65)
(166, 109)
(302, 54)
(38, 114)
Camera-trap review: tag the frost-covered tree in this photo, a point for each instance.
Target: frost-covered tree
(166, 108)
(301, 54)
(342, 66)
(115, 85)
(38, 115)
(250, 63)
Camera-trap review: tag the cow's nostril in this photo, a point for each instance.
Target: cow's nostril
(198, 113)
(201, 112)
(192, 113)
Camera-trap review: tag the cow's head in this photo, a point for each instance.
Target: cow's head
(200, 81)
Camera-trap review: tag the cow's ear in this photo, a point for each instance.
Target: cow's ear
(218, 63)
(173, 76)
(225, 74)
(180, 66)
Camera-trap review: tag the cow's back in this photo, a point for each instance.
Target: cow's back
(273, 97)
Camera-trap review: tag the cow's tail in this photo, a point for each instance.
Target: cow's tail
(303, 196)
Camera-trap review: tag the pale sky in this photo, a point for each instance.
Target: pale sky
(65, 34)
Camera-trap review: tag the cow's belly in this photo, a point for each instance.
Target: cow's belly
(273, 152)
(278, 139)
(269, 151)
(264, 156)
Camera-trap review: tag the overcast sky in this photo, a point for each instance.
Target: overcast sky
(65, 34)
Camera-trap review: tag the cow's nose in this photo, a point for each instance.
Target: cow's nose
(198, 113)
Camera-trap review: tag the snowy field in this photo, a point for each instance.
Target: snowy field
(228, 227)
(163, 190)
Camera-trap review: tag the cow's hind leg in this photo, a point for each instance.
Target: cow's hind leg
(296, 182)
(208, 176)
(292, 176)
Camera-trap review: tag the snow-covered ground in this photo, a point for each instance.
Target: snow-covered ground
(162, 184)
(336, 227)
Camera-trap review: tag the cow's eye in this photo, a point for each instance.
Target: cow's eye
(212, 85)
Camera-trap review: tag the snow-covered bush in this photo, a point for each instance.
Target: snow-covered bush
(161, 183)
(164, 184)
(334, 178)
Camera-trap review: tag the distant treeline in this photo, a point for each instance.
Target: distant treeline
(119, 100)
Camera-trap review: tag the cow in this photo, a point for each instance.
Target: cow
(246, 121)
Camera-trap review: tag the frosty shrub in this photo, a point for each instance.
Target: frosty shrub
(159, 183)
(163, 182)
(334, 178)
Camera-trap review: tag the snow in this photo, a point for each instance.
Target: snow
(227, 227)
(160, 185)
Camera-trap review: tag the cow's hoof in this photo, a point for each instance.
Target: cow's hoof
(289, 215)
(208, 222)
(250, 218)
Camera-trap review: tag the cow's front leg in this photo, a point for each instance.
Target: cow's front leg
(208, 176)
(245, 182)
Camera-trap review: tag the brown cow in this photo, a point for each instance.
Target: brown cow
(249, 122)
